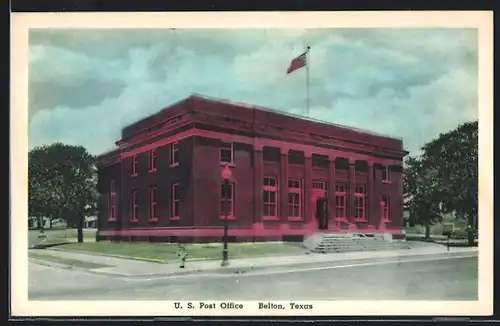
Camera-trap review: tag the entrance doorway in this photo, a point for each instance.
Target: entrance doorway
(321, 213)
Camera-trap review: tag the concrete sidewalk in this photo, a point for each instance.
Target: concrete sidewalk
(132, 268)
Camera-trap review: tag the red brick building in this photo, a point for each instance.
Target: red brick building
(164, 183)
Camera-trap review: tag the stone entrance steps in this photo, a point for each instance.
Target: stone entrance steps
(349, 242)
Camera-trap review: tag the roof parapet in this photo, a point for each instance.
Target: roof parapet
(296, 116)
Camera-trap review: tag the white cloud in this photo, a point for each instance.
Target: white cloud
(50, 63)
(411, 84)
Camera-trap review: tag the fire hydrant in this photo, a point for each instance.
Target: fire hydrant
(182, 256)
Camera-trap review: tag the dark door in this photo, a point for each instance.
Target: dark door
(321, 213)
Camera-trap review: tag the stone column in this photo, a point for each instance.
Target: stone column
(258, 176)
(371, 202)
(377, 196)
(308, 205)
(352, 185)
(283, 189)
(331, 189)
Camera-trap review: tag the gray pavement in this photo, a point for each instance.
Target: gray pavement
(425, 277)
(56, 282)
(132, 268)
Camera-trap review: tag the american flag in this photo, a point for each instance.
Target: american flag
(297, 63)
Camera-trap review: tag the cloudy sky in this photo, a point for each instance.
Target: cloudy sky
(85, 85)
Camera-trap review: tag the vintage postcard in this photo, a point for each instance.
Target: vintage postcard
(252, 164)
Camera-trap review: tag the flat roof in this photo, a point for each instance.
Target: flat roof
(111, 152)
(254, 107)
(296, 116)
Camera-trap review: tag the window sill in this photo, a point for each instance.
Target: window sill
(231, 165)
(229, 218)
(360, 220)
(111, 219)
(340, 219)
(153, 219)
(173, 165)
(134, 220)
(134, 175)
(270, 218)
(386, 221)
(174, 218)
(152, 170)
(386, 182)
(295, 218)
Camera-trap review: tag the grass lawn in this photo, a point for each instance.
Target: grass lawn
(65, 261)
(417, 232)
(163, 252)
(437, 229)
(58, 235)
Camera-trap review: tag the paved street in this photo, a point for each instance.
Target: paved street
(420, 279)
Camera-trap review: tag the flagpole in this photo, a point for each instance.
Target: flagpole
(307, 81)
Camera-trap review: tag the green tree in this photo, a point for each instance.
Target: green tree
(455, 156)
(43, 182)
(422, 193)
(62, 182)
(444, 179)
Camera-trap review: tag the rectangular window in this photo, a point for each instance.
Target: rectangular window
(227, 153)
(134, 208)
(386, 174)
(386, 212)
(112, 201)
(174, 154)
(340, 187)
(230, 201)
(152, 203)
(360, 202)
(340, 201)
(152, 160)
(174, 214)
(134, 165)
(270, 198)
(319, 185)
(295, 199)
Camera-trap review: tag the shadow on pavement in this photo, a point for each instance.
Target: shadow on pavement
(453, 243)
(47, 245)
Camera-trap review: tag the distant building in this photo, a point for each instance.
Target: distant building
(290, 176)
(406, 219)
(33, 222)
(90, 222)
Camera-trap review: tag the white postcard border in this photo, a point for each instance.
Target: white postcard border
(22, 22)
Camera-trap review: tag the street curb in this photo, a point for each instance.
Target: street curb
(47, 245)
(51, 264)
(158, 261)
(47, 263)
(443, 241)
(180, 273)
(241, 270)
